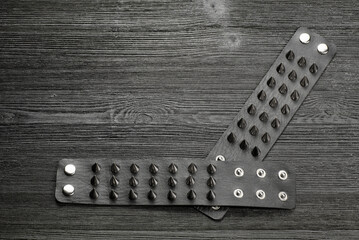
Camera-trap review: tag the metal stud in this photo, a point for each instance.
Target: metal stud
(114, 181)
(191, 195)
(251, 109)
(302, 62)
(172, 182)
(304, 38)
(283, 196)
(115, 168)
(275, 123)
(242, 123)
(68, 190)
(253, 131)
(70, 169)
(238, 193)
(295, 95)
(190, 181)
(323, 48)
(261, 194)
(283, 89)
(94, 194)
(290, 55)
(133, 182)
(132, 195)
(152, 182)
(285, 109)
(95, 181)
(153, 168)
(263, 117)
(244, 145)
(283, 175)
(171, 195)
(304, 82)
(239, 172)
(211, 195)
(261, 173)
(281, 68)
(192, 168)
(113, 195)
(271, 82)
(172, 168)
(231, 138)
(211, 169)
(211, 182)
(314, 68)
(151, 195)
(266, 138)
(96, 168)
(292, 75)
(262, 95)
(273, 103)
(134, 168)
(256, 152)
(220, 158)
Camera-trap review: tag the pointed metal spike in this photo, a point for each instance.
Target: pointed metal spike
(262, 95)
(211, 182)
(285, 109)
(253, 131)
(314, 68)
(191, 195)
(113, 195)
(115, 168)
(96, 168)
(95, 181)
(281, 68)
(273, 103)
(251, 109)
(256, 152)
(132, 195)
(295, 95)
(192, 168)
(231, 138)
(275, 123)
(211, 195)
(152, 182)
(114, 181)
(292, 76)
(302, 62)
(290, 55)
(190, 181)
(133, 182)
(266, 138)
(244, 145)
(172, 168)
(242, 123)
(304, 82)
(172, 182)
(283, 89)
(171, 195)
(271, 82)
(263, 117)
(134, 168)
(151, 195)
(211, 169)
(94, 194)
(153, 168)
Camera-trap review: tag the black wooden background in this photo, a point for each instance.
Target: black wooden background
(163, 79)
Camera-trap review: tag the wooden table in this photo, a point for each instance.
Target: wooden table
(163, 79)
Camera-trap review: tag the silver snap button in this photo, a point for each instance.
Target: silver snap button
(220, 158)
(238, 193)
(304, 38)
(261, 194)
(261, 173)
(283, 175)
(239, 172)
(323, 48)
(68, 190)
(283, 196)
(70, 169)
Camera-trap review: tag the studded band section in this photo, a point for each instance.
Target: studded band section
(194, 183)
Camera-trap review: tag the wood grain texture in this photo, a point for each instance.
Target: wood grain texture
(163, 79)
